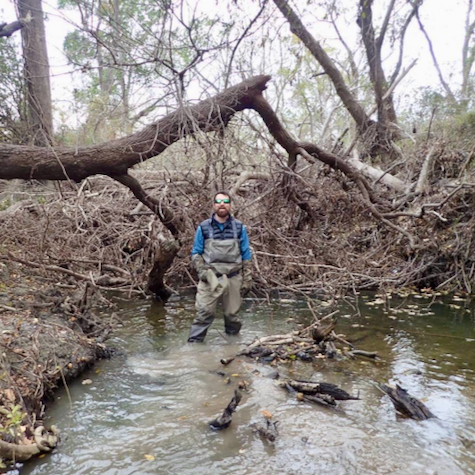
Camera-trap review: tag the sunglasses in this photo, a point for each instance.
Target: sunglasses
(222, 200)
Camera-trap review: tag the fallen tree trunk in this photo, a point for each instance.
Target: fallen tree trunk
(114, 158)
(378, 175)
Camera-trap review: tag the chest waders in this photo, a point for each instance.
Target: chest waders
(223, 256)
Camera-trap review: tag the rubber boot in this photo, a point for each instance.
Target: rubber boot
(198, 332)
(232, 325)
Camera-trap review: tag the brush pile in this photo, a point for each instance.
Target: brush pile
(316, 341)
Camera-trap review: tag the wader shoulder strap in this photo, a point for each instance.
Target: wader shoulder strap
(235, 233)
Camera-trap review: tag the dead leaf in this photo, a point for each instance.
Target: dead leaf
(9, 394)
(267, 414)
(149, 457)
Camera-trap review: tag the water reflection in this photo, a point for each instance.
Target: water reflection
(148, 412)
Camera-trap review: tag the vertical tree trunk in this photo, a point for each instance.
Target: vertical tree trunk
(37, 72)
(386, 110)
(166, 252)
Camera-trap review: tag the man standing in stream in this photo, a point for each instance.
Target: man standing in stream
(222, 258)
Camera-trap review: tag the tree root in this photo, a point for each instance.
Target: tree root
(45, 441)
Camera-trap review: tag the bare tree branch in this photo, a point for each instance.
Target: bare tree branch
(7, 29)
(434, 60)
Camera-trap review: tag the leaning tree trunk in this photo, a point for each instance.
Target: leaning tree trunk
(114, 158)
(37, 72)
(356, 111)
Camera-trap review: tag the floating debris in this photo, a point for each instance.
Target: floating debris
(224, 420)
(406, 404)
(322, 393)
(266, 429)
(316, 341)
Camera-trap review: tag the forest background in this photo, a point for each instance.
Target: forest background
(384, 100)
(344, 131)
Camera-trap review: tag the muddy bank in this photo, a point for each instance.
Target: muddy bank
(48, 335)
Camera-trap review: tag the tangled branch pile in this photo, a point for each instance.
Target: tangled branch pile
(315, 233)
(318, 340)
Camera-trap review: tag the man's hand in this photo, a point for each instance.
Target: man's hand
(200, 266)
(245, 288)
(246, 278)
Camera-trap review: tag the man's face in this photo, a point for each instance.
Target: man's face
(221, 208)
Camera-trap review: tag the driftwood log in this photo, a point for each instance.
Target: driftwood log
(406, 404)
(325, 394)
(322, 399)
(224, 420)
(368, 354)
(312, 388)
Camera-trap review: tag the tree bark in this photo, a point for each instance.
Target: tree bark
(37, 72)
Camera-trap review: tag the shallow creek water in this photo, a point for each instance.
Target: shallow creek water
(146, 412)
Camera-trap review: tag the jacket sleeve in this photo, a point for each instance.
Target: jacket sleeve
(246, 253)
(199, 242)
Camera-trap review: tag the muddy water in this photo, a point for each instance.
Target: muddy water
(147, 412)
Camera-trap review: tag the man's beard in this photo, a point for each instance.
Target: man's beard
(222, 213)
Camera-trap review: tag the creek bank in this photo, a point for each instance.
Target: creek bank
(48, 336)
